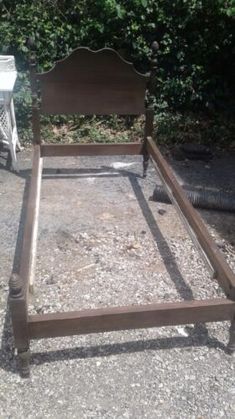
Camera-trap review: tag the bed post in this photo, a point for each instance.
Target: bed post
(231, 343)
(19, 317)
(34, 94)
(149, 113)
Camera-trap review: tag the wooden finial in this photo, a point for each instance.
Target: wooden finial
(155, 46)
(150, 104)
(30, 42)
(32, 55)
(34, 90)
(15, 285)
(153, 63)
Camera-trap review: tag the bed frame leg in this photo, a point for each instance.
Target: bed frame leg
(231, 343)
(145, 164)
(24, 361)
(18, 307)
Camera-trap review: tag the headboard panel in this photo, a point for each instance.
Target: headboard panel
(93, 82)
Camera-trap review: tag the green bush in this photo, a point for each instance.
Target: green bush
(196, 38)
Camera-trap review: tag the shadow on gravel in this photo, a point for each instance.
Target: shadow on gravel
(7, 358)
(197, 335)
(7, 163)
(169, 260)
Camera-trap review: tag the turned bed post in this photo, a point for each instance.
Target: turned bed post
(231, 343)
(34, 94)
(19, 317)
(149, 113)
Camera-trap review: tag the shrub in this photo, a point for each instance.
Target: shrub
(196, 40)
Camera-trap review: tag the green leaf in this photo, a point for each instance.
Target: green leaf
(144, 3)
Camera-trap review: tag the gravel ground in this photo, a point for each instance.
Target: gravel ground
(103, 242)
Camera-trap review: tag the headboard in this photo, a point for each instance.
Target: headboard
(93, 82)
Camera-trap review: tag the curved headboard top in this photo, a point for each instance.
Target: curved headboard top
(93, 82)
(80, 53)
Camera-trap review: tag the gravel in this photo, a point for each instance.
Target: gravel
(103, 242)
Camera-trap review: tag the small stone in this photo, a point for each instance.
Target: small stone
(161, 211)
(132, 246)
(221, 244)
(51, 280)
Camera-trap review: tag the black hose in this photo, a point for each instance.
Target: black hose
(200, 198)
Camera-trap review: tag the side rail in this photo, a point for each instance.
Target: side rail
(196, 228)
(20, 284)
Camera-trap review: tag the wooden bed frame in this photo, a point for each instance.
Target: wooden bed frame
(102, 82)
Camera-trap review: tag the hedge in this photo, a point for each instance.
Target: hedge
(196, 37)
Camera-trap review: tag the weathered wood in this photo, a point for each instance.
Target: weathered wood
(56, 150)
(31, 221)
(93, 82)
(34, 89)
(19, 314)
(224, 274)
(149, 113)
(231, 344)
(24, 358)
(37, 186)
(132, 317)
(100, 83)
(19, 284)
